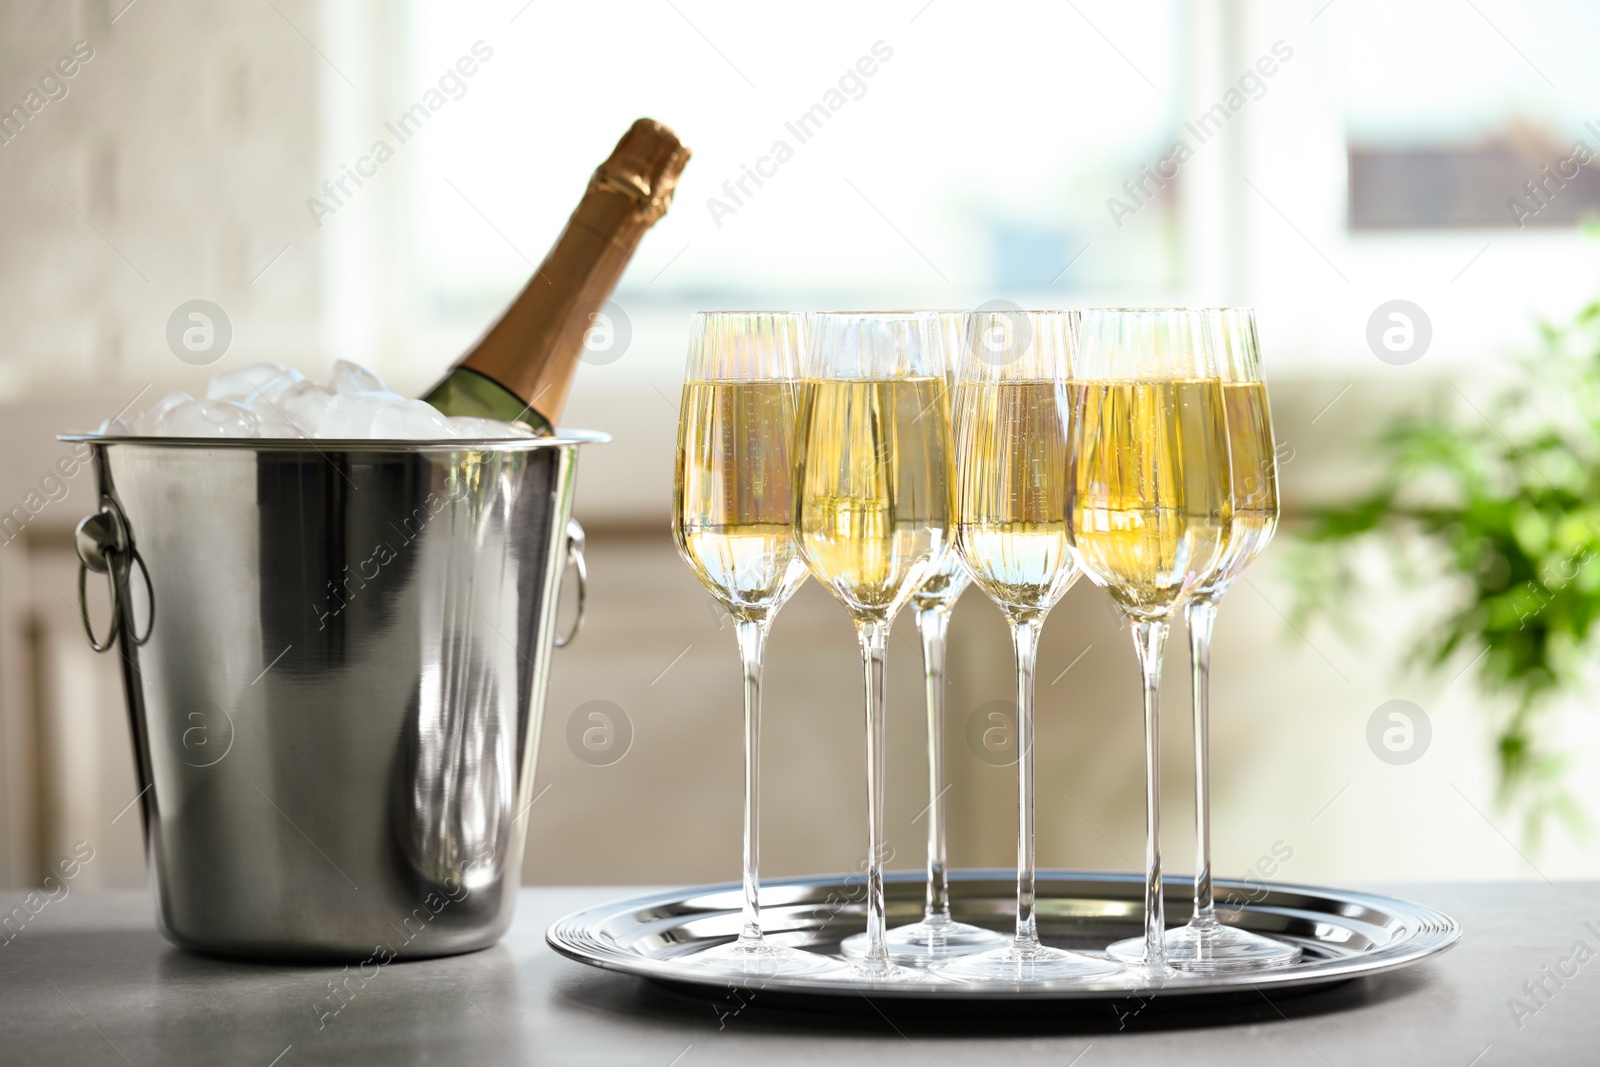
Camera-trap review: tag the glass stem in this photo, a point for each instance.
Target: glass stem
(874, 647)
(934, 626)
(1149, 639)
(1025, 639)
(752, 641)
(1200, 615)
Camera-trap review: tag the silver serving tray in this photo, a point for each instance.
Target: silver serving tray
(1343, 934)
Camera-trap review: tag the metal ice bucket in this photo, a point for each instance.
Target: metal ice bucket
(334, 656)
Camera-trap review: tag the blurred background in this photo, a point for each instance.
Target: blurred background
(1336, 155)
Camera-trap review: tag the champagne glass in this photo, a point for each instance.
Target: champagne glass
(1206, 945)
(937, 936)
(1151, 502)
(873, 513)
(733, 523)
(1011, 531)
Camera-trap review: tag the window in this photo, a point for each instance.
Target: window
(843, 154)
(1453, 114)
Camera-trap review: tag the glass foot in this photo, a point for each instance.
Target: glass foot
(752, 958)
(1213, 948)
(1027, 963)
(927, 943)
(880, 972)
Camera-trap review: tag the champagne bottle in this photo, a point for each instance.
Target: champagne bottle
(522, 368)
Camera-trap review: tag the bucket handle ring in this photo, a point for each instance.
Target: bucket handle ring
(575, 543)
(99, 539)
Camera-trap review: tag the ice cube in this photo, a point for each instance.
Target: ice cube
(353, 378)
(116, 428)
(272, 400)
(247, 384)
(487, 429)
(207, 418)
(270, 392)
(272, 422)
(412, 420)
(148, 422)
(349, 416)
(305, 404)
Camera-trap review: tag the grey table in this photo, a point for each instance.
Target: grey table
(89, 981)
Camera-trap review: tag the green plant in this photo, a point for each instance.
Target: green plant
(1497, 504)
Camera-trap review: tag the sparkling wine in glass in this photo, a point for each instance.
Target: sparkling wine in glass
(1011, 492)
(1151, 503)
(937, 936)
(873, 513)
(733, 510)
(1205, 945)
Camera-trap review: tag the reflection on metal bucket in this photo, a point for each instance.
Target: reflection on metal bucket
(335, 658)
